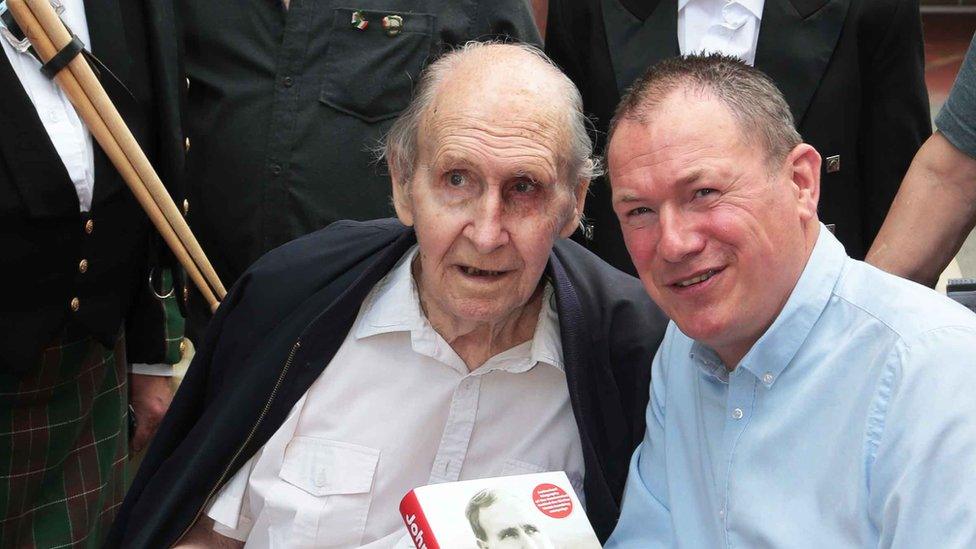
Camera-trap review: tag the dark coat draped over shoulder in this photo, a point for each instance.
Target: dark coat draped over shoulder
(285, 319)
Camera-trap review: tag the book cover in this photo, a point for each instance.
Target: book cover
(538, 511)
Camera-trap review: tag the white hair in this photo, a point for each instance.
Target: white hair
(399, 146)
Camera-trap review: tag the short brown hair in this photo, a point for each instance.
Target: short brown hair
(753, 99)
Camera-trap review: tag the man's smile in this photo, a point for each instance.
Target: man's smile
(696, 281)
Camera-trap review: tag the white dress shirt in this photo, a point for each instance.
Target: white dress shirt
(67, 132)
(719, 26)
(396, 409)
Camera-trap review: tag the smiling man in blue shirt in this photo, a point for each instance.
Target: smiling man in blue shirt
(800, 398)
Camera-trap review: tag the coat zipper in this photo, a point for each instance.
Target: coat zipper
(264, 412)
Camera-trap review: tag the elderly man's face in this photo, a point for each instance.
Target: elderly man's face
(487, 199)
(718, 239)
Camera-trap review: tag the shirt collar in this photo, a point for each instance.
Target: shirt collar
(772, 353)
(394, 306)
(755, 7)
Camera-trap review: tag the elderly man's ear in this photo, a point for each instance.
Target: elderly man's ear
(804, 161)
(401, 196)
(579, 199)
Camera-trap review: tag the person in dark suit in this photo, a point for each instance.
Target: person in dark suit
(468, 339)
(77, 255)
(851, 71)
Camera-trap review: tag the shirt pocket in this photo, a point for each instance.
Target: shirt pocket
(334, 480)
(369, 73)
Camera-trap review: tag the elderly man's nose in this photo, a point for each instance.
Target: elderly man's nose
(679, 237)
(487, 229)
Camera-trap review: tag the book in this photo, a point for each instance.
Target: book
(537, 511)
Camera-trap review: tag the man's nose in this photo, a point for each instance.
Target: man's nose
(680, 238)
(487, 228)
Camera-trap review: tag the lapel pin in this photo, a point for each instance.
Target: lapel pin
(358, 21)
(392, 24)
(833, 163)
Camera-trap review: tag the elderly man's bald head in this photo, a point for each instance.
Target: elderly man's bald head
(490, 80)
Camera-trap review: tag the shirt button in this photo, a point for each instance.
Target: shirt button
(89, 226)
(721, 513)
(737, 413)
(276, 169)
(287, 81)
(83, 266)
(186, 144)
(767, 378)
(75, 304)
(186, 207)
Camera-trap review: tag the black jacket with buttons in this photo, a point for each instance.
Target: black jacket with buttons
(43, 237)
(286, 317)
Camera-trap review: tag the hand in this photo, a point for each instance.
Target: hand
(150, 397)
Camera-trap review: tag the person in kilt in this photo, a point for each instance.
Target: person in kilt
(81, 333)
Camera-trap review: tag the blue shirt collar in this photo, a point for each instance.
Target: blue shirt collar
(772, 353)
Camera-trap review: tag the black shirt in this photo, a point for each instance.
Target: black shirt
(284, 106)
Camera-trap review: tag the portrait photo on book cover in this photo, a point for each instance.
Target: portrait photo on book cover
(502, 518)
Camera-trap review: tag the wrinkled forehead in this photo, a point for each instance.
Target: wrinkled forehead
(503, 107)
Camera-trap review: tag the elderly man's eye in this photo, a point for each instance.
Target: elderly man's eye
(700, 193)
(641, 210)
(456, 179)
(523, 187)
(530, 529)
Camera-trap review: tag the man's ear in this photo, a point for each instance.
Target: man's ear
(804, 163)
(401, 193)
(579, 200)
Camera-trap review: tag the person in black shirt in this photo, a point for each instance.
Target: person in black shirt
(285, 101)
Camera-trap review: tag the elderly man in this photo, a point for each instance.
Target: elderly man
(470, 339)
(800, 398)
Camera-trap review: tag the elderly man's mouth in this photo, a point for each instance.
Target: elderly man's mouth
(486, 274)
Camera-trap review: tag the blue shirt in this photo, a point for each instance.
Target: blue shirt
(850, 423)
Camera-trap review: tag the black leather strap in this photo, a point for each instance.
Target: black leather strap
(63, 57)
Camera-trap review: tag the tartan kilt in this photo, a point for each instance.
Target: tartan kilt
(63, 445)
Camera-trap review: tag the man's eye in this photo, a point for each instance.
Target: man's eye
(456, 179)
(639, 211)
(704, 192)
(523, 187)
(530, 529)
